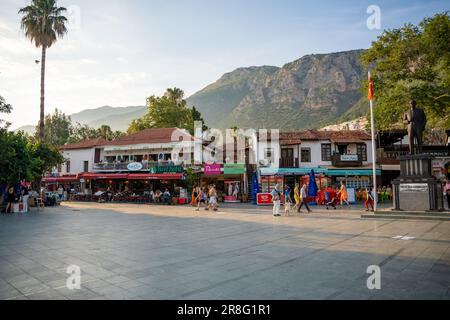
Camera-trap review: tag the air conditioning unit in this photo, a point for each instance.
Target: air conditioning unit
(264, 163)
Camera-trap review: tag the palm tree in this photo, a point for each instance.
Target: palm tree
(43, 22)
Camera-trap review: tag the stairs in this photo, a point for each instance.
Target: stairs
(408, 215)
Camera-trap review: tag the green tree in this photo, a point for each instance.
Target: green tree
(43, 23)
(47, 157)
(84, 132)
(106, 133)
(4, 108)
(22, 159)
(412, 62)
(197, 116)
(57, 128)
(170, 110)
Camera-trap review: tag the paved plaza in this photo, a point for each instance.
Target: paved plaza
(242, 252)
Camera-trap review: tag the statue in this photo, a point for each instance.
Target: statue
(416, 120)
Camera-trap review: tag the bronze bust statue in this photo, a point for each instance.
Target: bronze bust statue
(416, 120)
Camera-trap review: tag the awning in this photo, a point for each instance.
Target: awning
(100, 176)
(318, 170)
(291, 171)
(59, 179)
(160, 176)
(352, 172)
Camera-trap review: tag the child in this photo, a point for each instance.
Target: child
(287, 200)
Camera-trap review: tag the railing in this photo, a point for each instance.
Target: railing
(288, 163)
(123, 166)
(346, 160)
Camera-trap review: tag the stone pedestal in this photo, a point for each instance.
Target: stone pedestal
(417, 189)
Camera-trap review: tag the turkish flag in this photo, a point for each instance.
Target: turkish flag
(370, 95)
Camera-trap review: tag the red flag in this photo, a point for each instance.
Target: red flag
(370, 95)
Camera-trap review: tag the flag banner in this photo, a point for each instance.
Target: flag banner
(370, 95)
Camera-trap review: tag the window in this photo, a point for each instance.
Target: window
(306, 155)
(86, 166)
(268, 154)
(326, 152)
(68, 166)
(361, 151)
(59, 168)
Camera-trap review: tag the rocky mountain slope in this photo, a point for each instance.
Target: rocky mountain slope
(310, 92)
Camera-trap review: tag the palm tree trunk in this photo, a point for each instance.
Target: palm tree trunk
(42, 114)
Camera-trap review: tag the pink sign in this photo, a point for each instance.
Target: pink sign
(212, 169)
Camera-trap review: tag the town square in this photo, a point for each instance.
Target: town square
(194, 150)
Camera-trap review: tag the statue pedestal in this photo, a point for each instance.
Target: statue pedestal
(417, 189)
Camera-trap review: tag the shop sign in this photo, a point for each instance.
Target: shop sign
(166, 169)
(263, 199)
(82, 180)
(413, 187)
(210, 169)
(349, 157)
(440, 163)
(234, 168)
(134, 166)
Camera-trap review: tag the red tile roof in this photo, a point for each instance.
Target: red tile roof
(348, 136)
(153, 135)
(85, 144)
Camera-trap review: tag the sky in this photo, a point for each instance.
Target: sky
(118, 52)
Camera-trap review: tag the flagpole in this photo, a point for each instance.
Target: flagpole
(374, 163)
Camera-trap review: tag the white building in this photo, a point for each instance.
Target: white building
(334, 155)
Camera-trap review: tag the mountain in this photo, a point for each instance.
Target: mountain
(310, 92)
(116, 118)
(26, 129)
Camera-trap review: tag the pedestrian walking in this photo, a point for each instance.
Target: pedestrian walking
(201, 198)
(369, 199)
(213, 203)
(331, 201)
(296, 196)
(303, 199)
(276, 198)
(343, 195)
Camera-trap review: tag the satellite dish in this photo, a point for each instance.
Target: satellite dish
(263, 163)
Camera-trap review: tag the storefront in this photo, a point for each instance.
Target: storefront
(131, 186)
(229, 180)
(325, 178)
(70, 184)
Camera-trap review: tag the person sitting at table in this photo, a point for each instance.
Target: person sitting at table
(166, 196)
(157, 196)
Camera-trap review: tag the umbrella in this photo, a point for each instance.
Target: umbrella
(312, 189)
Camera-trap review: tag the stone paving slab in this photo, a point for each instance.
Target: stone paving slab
(242, 252)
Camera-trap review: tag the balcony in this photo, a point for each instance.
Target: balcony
(288, 163)
(168, 166)
(346, 160)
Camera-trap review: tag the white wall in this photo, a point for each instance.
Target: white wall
(316, 152)
(276, 152)
(77, 158)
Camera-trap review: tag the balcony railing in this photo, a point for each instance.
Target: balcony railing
(124, 166)
(288, 163)
(346, 160)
